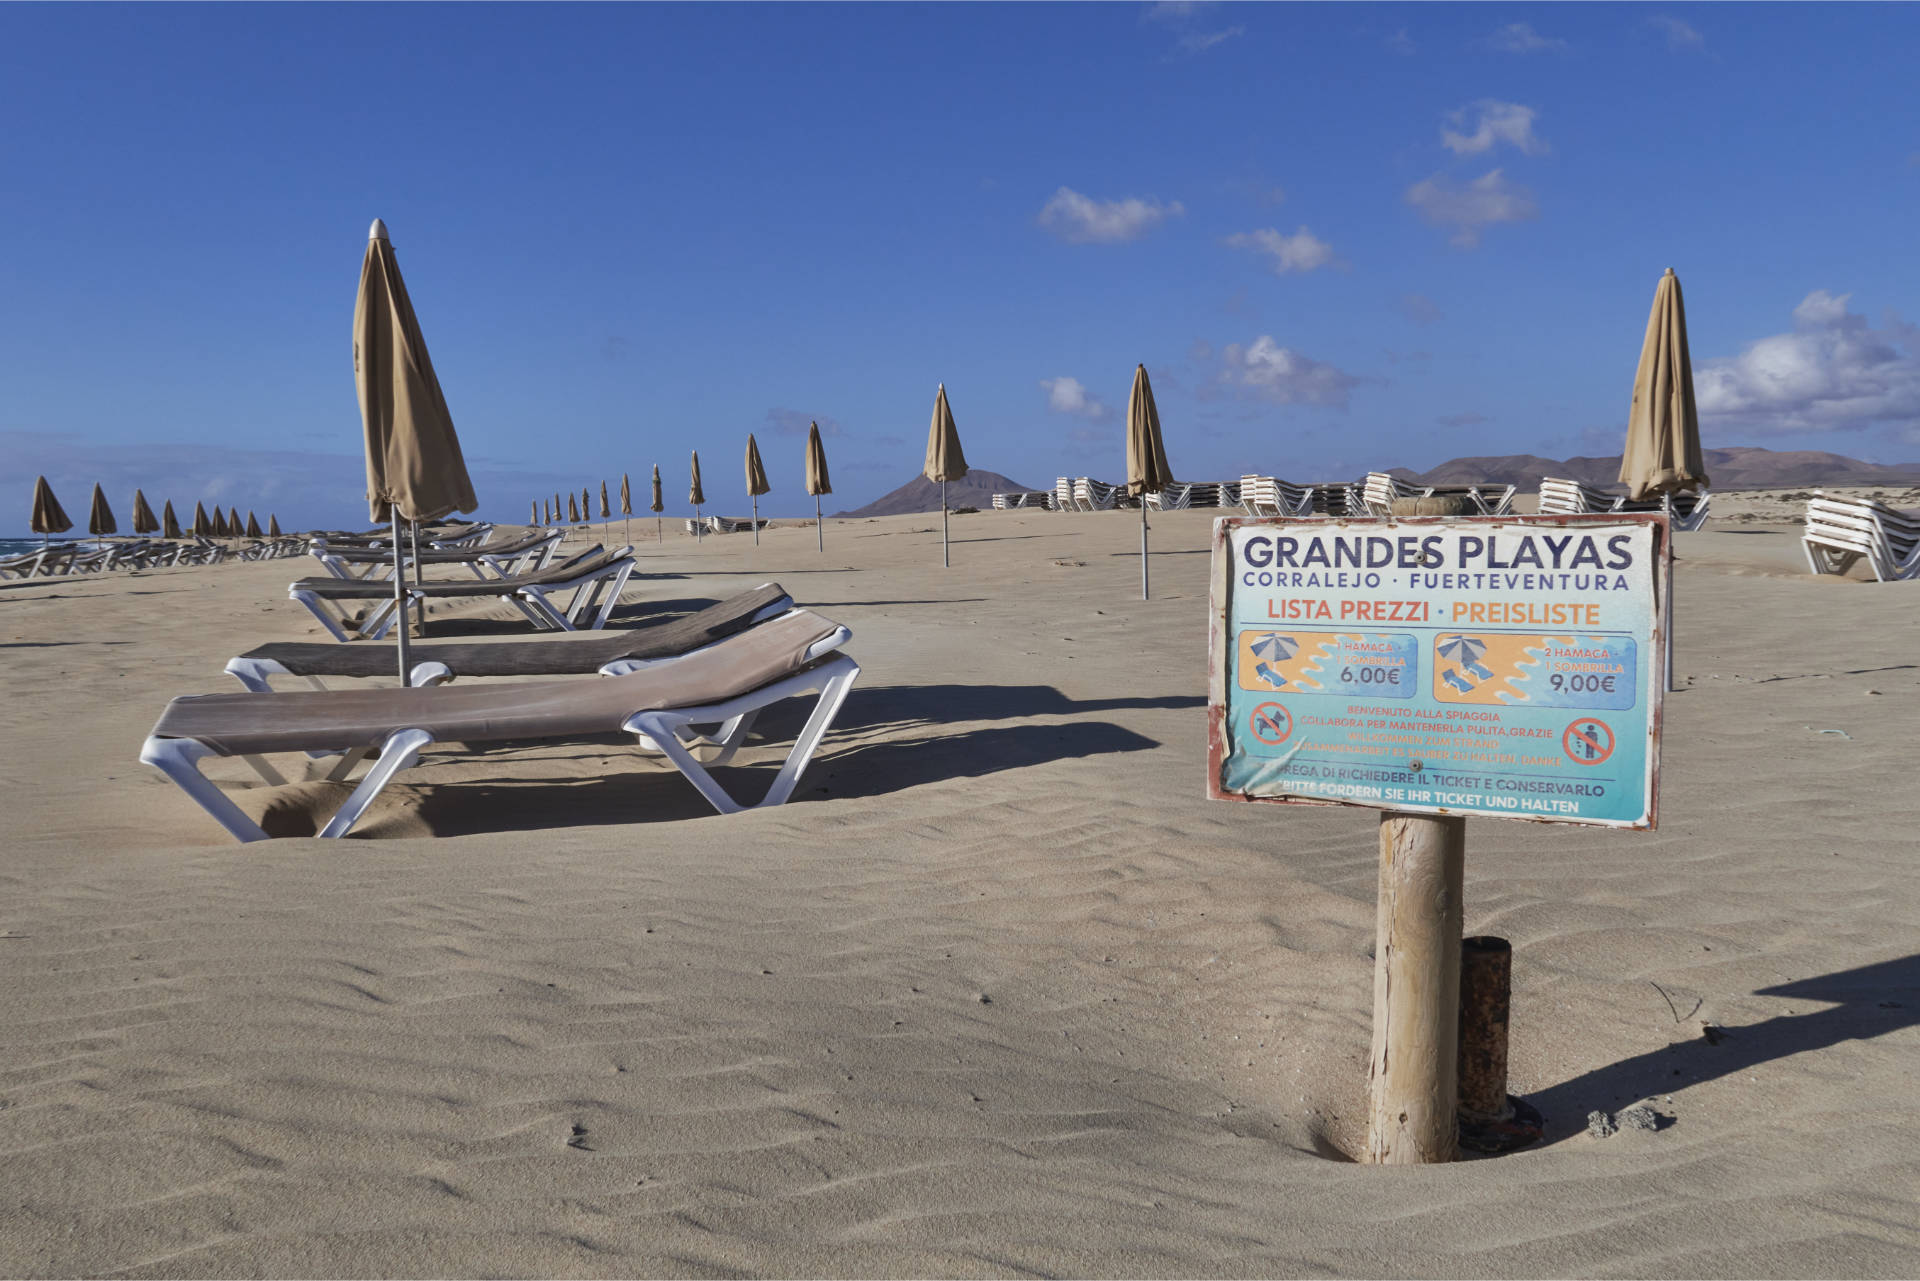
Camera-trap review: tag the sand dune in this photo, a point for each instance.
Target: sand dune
(999, 994)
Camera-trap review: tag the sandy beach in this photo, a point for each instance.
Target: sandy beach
(1000, 993)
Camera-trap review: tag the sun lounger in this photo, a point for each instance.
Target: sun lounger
(1559, 496)
(1091, 495)
(595, 577)
(1380, 489)
(521, 555)
(435, 664)
(1023, 498)
(1840, 532)
(725, 684)
(1271, 496)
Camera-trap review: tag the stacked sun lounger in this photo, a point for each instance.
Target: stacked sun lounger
(1842, 531)
(1380, 489)
(691, 684)
(725, 524)
(1023, 498)
(1559, 496)
(1271, 496)
(1090, 495)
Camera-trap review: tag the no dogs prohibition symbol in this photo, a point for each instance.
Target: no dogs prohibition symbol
(1270, 724)
(1588, 741)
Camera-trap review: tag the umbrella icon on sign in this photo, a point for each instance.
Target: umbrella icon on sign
(1461, 649)
(1275, 648)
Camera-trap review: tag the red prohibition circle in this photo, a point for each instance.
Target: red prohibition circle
(1270, 717)
(1588, 741)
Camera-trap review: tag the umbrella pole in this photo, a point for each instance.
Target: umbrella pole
(755, 499)
(1143, 547)
(819, 535)
(659, 535)
(698, 528)
(400, 596)
(1667, 502)
(946, 558)
(419, 575)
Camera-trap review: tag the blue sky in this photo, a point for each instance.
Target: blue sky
(1340, 237)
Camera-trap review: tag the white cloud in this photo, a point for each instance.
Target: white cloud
(1069, 396)
(1484, 202)
(1174, 10)
(1520, 37)
(1680, 35)
(1833, 372)
(1267, 371)
(1420, 309)
(1402, 43)
(1201, 41)
(1082, 220)
(1494, 123)
(1302, 251)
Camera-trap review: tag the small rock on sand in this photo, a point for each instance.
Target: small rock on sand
(1600, 1125)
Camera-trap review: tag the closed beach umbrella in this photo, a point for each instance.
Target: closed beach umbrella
(144, 521)
(273, 525)
(696, 495)
(534, 516)
(756, 484)
(169, 523)
(219, 523)
(606, 509)
(202, 526)
(415, 470)
(235, 527)
(1662, 455)
(253, 527)
(100, 519)
(1147, 470)
(658, 505)
(945, 460)
(573, 509)
(556, 509)
(817, 482)
(48, 518)
(626, 509)
(586, 505)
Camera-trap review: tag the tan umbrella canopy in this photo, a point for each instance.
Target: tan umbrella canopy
(756, 484)
(817, 482)
(1147, 470)
(696, 496)
(626, 496)
(219, 523)
(48, 518)
(606, 509)
(169, 523)
(586, 505)
(415, 470)
(100, 519)
(556, 510)
(253, 527)
(945, 460)
(573, 509)
(202, 526)
(1662, 454)
(534, 519)
(234, 526)
(144, 521)
(658, 506)
(273, 525)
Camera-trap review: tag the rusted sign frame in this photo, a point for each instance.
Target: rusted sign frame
(1220, 601)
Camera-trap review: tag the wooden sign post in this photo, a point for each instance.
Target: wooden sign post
(1433, 668)
(1412, 1105)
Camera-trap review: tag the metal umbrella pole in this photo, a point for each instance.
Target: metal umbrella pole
(400, 596)
(419, 576)
(1143, 547)
(818, 535)
(946, 560)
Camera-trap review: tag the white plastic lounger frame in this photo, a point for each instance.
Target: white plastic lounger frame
(532, 601)
(666, 731)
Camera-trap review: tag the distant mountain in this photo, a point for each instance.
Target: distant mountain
(923, 495)
(1739, 467)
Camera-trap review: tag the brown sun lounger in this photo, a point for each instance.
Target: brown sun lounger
(595, 577)
(725, 684)
(572, 656)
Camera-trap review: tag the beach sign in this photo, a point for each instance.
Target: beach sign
(1509, 667)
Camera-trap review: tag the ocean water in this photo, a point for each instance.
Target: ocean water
(15, 546)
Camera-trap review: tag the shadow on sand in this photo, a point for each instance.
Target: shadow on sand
(1870, 1001)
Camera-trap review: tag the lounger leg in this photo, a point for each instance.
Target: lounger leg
(613, 596)
(179, 759)
(344, 767)
(319, 610)
(662, 729)
(399, 752)
(258, 764)
(533, 602)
